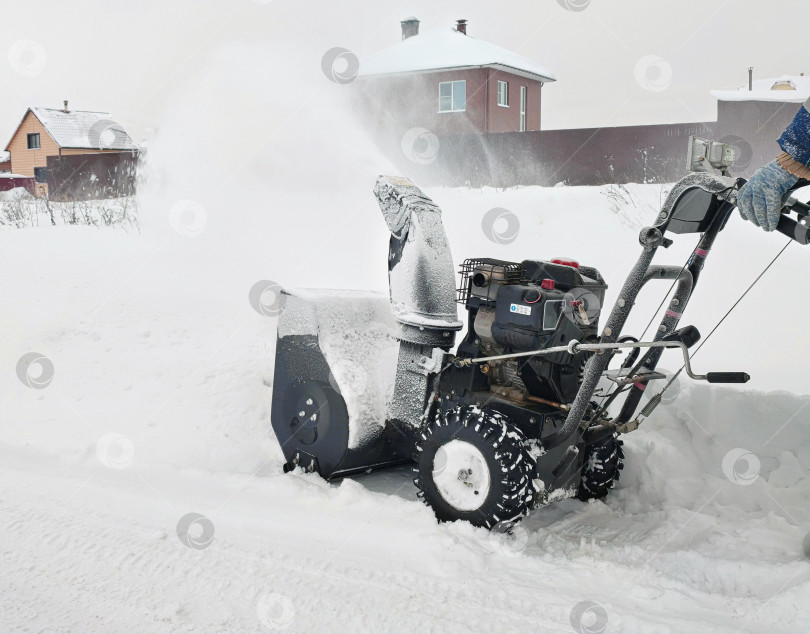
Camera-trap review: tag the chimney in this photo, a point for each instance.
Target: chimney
(461, 26)
(750, 78)
(410, 27)
(66, 106)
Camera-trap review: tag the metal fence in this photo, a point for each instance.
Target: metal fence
(92, 176)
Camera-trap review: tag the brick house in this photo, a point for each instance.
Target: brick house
(45, 134)
(450, 83)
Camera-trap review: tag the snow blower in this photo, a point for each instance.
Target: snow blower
(509, 421)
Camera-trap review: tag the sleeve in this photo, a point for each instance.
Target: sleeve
(793, 166)
(795, 140)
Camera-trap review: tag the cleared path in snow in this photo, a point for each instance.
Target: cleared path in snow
(90, 549)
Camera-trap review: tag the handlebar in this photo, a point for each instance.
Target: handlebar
(799, 228)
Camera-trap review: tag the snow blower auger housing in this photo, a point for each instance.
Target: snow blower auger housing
(508, 421)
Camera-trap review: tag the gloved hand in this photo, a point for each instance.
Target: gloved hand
(761, 198)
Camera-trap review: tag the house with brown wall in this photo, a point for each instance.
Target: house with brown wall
(50, 132)
(449, 82)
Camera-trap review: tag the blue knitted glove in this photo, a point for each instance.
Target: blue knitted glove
(761, 198)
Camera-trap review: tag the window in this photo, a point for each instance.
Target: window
(503, 94)
(41, 174)
(33, 141)
(453, 96)
(523, 108)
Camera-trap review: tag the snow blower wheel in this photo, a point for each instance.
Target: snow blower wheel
(472, 466)
(601, 469)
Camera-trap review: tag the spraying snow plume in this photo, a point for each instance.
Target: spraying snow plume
(265, 160)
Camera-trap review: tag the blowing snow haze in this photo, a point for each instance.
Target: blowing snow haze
(130, 58)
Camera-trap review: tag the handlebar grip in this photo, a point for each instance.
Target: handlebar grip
(796, 230)
(727, 377)
(801, 209)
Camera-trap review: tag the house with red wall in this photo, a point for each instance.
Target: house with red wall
(451, 83)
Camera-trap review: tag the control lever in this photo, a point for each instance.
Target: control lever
(643, 377)
(798, 228)
(727, 377)
(688, 335)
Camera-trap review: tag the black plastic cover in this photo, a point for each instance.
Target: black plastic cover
(513, 311)
(566, 277)
(693, 211)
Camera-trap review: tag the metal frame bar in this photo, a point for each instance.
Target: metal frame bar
(671, 319)
(575, 347)
(650, 238)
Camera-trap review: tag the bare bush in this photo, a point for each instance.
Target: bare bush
(619, 201)
(635, 205)
(20, 209)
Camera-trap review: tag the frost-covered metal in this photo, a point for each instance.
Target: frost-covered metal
(421, 276)
(356, 335)
(650, 239)
(703, 180)
(420, 266)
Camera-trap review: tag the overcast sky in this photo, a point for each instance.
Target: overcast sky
(617, 61)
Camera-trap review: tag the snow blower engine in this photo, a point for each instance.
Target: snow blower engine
(520, 307)
(512, 419)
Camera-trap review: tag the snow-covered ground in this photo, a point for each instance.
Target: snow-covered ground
(20, 209)
(159, 408)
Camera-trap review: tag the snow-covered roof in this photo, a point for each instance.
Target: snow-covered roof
(787, 88)
(4, 156)
(83, 130)
(445, 48)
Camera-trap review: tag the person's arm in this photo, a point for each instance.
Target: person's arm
(760, 200)
(795, 144)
